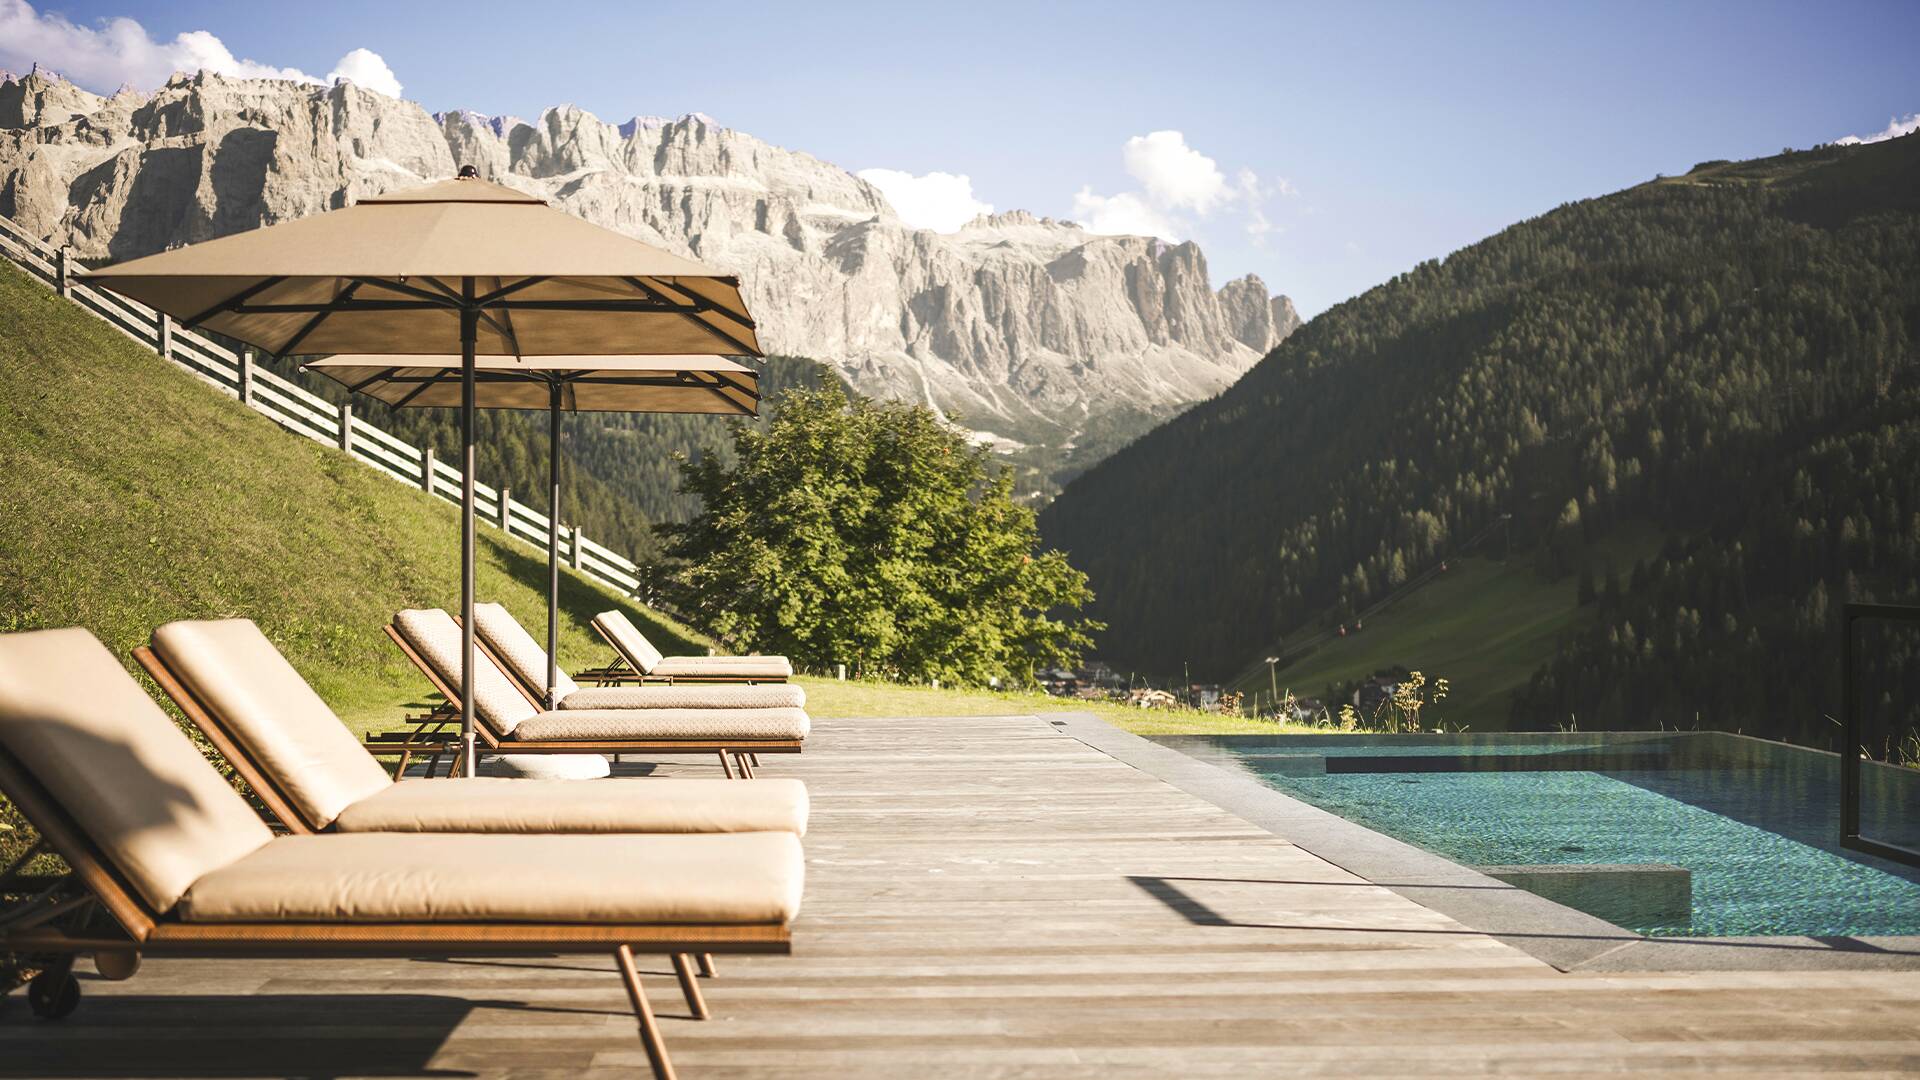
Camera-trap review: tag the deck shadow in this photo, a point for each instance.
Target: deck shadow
(1168, 892)
(232, 1035)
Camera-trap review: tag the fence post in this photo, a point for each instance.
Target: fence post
(506, 499)
(66, 274)
(346, 426)
(426, 471)
(246, 376)
(574, 559)
(166, 336)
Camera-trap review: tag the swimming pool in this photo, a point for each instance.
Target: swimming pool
(1753, 823)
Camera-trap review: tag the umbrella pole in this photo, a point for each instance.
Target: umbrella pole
(553, 544)
(469, 327)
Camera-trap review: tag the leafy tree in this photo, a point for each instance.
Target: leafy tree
(872, 534)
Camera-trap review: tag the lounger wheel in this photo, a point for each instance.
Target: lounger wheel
(116, 965)
(53, 994)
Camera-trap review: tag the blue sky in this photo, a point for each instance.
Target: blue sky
(1366, 136)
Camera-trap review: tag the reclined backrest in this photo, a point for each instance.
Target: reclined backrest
(272, 714)
(436, 637)
(627, 638)
(133, 782)
(517, 649)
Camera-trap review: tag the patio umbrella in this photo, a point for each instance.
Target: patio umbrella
(459, 266)
(557, 384)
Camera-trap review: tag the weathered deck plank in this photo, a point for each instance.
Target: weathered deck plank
(990, 898)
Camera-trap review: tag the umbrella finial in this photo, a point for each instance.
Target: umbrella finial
(468, 172)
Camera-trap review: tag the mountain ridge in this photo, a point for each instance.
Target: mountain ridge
(1024, 325)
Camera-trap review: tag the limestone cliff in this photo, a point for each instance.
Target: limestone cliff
(1025, 325)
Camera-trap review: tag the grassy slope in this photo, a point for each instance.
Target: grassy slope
(131, 495)
(1484, 625)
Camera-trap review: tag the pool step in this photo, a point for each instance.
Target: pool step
(1625, 894)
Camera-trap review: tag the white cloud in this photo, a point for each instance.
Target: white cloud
(939, 201)
(119, 51)
(1175, 174)
(1179, 186)
(1896, 127)
(364, 68)
(1258, 226)
(1125, 214)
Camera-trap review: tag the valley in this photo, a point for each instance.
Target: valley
(1724, 360)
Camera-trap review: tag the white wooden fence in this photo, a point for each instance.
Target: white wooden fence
(240, 376)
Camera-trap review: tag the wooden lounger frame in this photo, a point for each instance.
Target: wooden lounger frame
(284, 814)
(622, 669)
(428, 736)
(59, 922)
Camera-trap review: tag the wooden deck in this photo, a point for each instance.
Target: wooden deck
(991, 898)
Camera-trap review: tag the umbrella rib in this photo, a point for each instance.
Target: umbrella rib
(740, 386)
(461, 301)
(445, 290)
(700, 303)
(385, 373)
(235, 300)
(719, 389)
(501, 329)
(313, 323)
(333, 306)
(737, 407)
(409, 290)
(505, 325)
(507, 290)
(425, 385)
(626, 380)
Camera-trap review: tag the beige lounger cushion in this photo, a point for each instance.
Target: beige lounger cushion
(499, 805)
(436, 637)
(612, 725)
(640, 652)
(732, 667)
(690, 696)
(78, 723)
(382, 877)
(523, 656)
(628, 639)
(273, 714)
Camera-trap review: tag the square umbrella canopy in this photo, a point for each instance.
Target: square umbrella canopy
(405, 266)
(556, 384)
(460, 265)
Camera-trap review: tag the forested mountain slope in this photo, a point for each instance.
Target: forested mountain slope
(1729, 355)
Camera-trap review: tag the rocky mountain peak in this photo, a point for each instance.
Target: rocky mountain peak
(1029, 326)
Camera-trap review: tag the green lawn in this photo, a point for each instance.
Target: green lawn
(1484, 625)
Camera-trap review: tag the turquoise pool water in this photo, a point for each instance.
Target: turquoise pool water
(1754, 825)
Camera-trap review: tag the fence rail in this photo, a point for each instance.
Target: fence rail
(294, 408)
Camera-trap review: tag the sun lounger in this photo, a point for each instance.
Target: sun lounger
(309, 770)
(167, 859)
(636, 660)
(508, 723)
(522, 658)
(310, 773)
